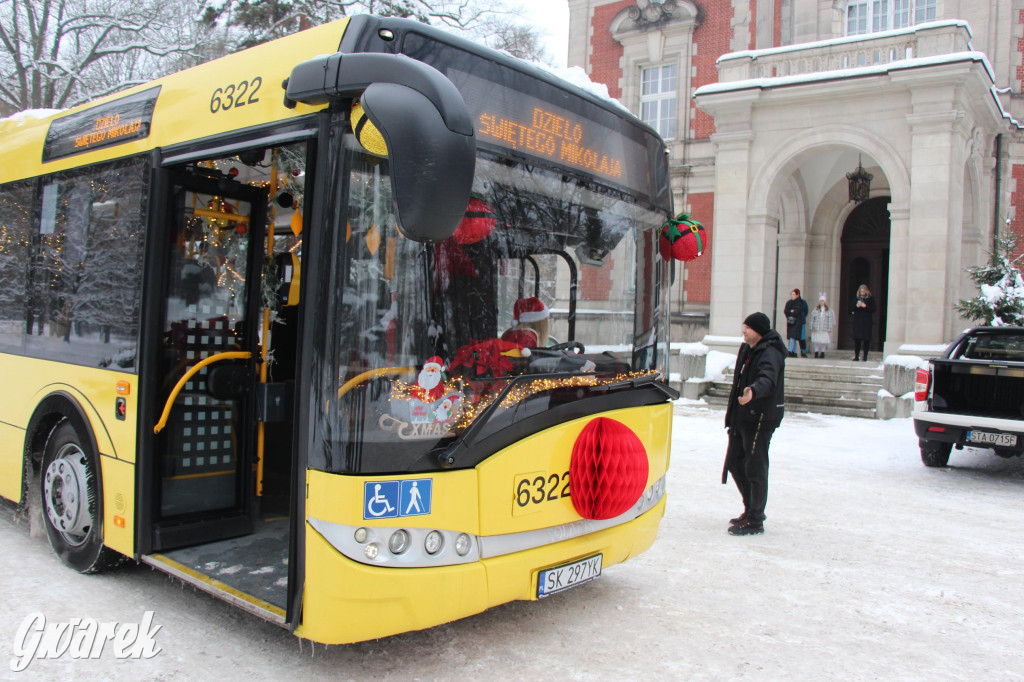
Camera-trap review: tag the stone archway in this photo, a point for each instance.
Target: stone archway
(864, 259)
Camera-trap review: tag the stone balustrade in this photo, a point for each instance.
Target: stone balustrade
(924, 40)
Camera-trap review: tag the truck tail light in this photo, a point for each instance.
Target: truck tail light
(923, 383)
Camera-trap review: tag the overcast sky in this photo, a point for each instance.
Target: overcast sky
(551, 19)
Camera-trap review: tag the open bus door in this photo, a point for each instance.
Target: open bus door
(217, 462)
(206, 440)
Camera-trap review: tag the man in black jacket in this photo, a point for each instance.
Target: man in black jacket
(756, 407)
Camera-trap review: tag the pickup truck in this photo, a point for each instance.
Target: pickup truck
(973, 395)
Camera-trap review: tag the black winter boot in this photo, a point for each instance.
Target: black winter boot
(747, 528)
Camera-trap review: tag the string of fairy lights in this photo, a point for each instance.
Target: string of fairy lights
(520, 393)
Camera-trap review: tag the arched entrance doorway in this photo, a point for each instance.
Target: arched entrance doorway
(864, 260)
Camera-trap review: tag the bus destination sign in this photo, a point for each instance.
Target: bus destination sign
(122, 120)
(534, 127)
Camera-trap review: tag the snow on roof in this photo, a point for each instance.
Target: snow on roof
(697, 348)
(855, 72)
(754, 54)
(908, 361)
(30, 115)
(576, 76)
(922, 349)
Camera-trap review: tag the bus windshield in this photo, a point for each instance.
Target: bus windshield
(547, 296)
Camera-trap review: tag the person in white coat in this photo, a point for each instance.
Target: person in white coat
(822, 322)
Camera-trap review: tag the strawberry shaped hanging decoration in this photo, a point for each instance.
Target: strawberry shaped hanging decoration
(682, 238)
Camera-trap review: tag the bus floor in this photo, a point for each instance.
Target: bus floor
(254, 564)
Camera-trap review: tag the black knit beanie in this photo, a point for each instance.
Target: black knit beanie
(759, 322)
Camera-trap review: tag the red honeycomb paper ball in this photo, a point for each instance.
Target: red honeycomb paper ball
(608, 470)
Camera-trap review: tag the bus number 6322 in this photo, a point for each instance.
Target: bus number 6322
(235, 95)
(540, 487)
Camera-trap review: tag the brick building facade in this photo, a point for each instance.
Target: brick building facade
(766, 105)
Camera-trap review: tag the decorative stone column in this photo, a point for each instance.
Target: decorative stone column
(899, 259)
(733, 286)
(936, 211)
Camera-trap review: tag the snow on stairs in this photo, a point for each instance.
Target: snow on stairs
(827, 386)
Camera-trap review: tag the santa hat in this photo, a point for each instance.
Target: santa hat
(434, 361)
(529, 310)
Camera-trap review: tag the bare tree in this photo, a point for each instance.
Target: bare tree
(57, 53)
(519, 40)
(251, 22)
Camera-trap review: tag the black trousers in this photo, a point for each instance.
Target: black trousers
(747, 460)
(858, 344)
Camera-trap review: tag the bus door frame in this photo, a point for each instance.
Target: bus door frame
(204, 526)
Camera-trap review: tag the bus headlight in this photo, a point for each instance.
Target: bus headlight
(372, 550)
(360, 535)
(463, 544)
(433, 542)
(399, 541)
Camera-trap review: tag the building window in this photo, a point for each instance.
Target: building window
(658, 99)
(857, 18)
(870, 16)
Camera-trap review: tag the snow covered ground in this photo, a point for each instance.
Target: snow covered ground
(872, 567)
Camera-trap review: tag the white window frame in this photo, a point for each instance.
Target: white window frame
(655, 95)
(872, 16)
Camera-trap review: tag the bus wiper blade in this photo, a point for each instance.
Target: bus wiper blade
(654, 380)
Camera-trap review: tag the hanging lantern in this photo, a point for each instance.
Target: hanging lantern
(860, 183)
(682, 238)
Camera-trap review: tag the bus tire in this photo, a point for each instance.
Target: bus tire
(69, 484)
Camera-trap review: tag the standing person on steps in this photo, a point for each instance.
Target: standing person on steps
(755, 410)
(796, 315)
(862, 309)
(823, 320)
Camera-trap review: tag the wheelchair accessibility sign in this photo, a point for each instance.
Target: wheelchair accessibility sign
(392, 499)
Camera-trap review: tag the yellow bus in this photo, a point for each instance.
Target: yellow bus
(363, 330)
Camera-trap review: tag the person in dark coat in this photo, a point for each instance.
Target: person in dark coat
(755, 410)
(862, 309)
(796, 315)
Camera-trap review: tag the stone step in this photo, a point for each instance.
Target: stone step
(823, 386)
(813, 386)
(819, 396)
(846, 408)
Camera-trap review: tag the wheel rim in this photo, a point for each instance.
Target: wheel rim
(66, 495)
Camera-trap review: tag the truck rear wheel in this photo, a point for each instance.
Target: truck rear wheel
(935, 454)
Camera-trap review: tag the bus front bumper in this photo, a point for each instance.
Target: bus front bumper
(345, 601)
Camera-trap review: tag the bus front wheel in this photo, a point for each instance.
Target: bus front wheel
(71, 505)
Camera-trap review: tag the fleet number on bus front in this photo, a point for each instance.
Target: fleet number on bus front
(541, 487)
(235, 95)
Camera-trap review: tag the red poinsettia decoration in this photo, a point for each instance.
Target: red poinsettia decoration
(482, 357)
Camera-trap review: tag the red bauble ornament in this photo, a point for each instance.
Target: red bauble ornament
(478, 222)
(608, 470)
(682, 238)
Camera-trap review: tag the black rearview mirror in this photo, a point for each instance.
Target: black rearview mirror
(424, 122)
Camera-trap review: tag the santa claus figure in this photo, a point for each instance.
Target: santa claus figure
(429, 386)
(530, 320)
